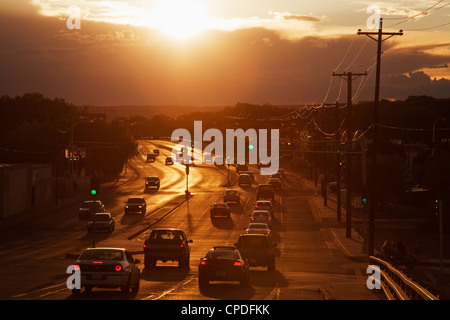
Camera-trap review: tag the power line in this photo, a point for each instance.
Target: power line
(416, 15)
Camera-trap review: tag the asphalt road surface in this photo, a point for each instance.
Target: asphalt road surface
(309, 264)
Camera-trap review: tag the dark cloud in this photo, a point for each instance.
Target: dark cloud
(111, 64)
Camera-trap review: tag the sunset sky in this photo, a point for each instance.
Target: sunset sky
(220, 52)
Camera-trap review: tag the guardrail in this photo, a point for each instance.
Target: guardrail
(397, 286)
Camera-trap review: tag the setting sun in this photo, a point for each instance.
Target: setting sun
(180, 19)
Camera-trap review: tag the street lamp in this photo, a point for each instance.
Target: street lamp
(434, 133)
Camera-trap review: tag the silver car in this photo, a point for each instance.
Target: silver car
(261, 216)
(108, 268)
(258, 228)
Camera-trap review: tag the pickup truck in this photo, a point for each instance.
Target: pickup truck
(265, 191)
(258, 249)
(167, 244)
(101, 221)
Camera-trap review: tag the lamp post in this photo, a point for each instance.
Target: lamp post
(434, 134)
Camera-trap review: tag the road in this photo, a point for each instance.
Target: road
(309, 264)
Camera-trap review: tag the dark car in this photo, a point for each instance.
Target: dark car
(169, 161)
(167, 244)
(244, 180)
(88, 208)
(101, 222)
(258, 249)
(151, 157)
(265, 205)
(135, 204)
(108, 268)
(241, 168)
(276, 183)
(152, 182)
(262, 216)
(251, 174)
(219, 210)
(223, 264)
(282, 173)
(265, 191)
(231, 195)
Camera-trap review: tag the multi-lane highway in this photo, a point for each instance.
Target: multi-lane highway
(309, 264)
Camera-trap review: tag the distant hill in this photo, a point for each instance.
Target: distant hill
(147, 111)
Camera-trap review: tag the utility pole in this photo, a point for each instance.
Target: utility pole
(349, 76)
(372, 188)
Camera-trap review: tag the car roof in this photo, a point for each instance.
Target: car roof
(152, 177)
(224, 248)
(104, 248)
(220, 203)
(263, 201)
(234, 190)
(168, 229)
(259, 223)
(260, 211)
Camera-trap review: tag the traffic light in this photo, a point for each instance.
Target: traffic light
(436, 207)
(364, 197)
(94, 185)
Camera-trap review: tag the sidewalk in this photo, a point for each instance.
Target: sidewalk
(427, 271)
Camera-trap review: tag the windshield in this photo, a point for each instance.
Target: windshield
(102, 254)
(102, 217)
(135, 200)
(253, 242)
(166, 235)
(222, 254)
(257, 226)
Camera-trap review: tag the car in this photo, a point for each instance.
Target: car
(169, 161)
(231, 195)
(265, 205)
(282, 173)
(89, 207)
(152, 182)
(220, 209)
(151, 157)
(135, 204)
(108, 268)
(258, 249)
(167, 244)
(156, 152)
(244, 179)
(101, 221)
(262, 216)
(276, 183)
(265, 191)
(251, 174)
(223, 264)
(258, 228)
(241, 168)
(276, 175)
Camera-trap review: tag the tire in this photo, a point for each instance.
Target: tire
(76, 292)
(135, 288)
(202, 282)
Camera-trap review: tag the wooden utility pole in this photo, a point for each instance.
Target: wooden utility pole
(372, 187)
(349, 76)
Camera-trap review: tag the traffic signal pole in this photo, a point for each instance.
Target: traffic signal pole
(349, 76)
(372, 188)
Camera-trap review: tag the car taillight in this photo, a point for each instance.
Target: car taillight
(253, 218)
(145, 246)
(238, 264)
(118, 267)
(182, 245)
(97, 262)
(203, 262)
(76, 267)
(269, 219)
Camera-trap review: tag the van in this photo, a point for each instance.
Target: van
(244, 179)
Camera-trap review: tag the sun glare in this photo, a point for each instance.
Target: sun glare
(180, 19)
